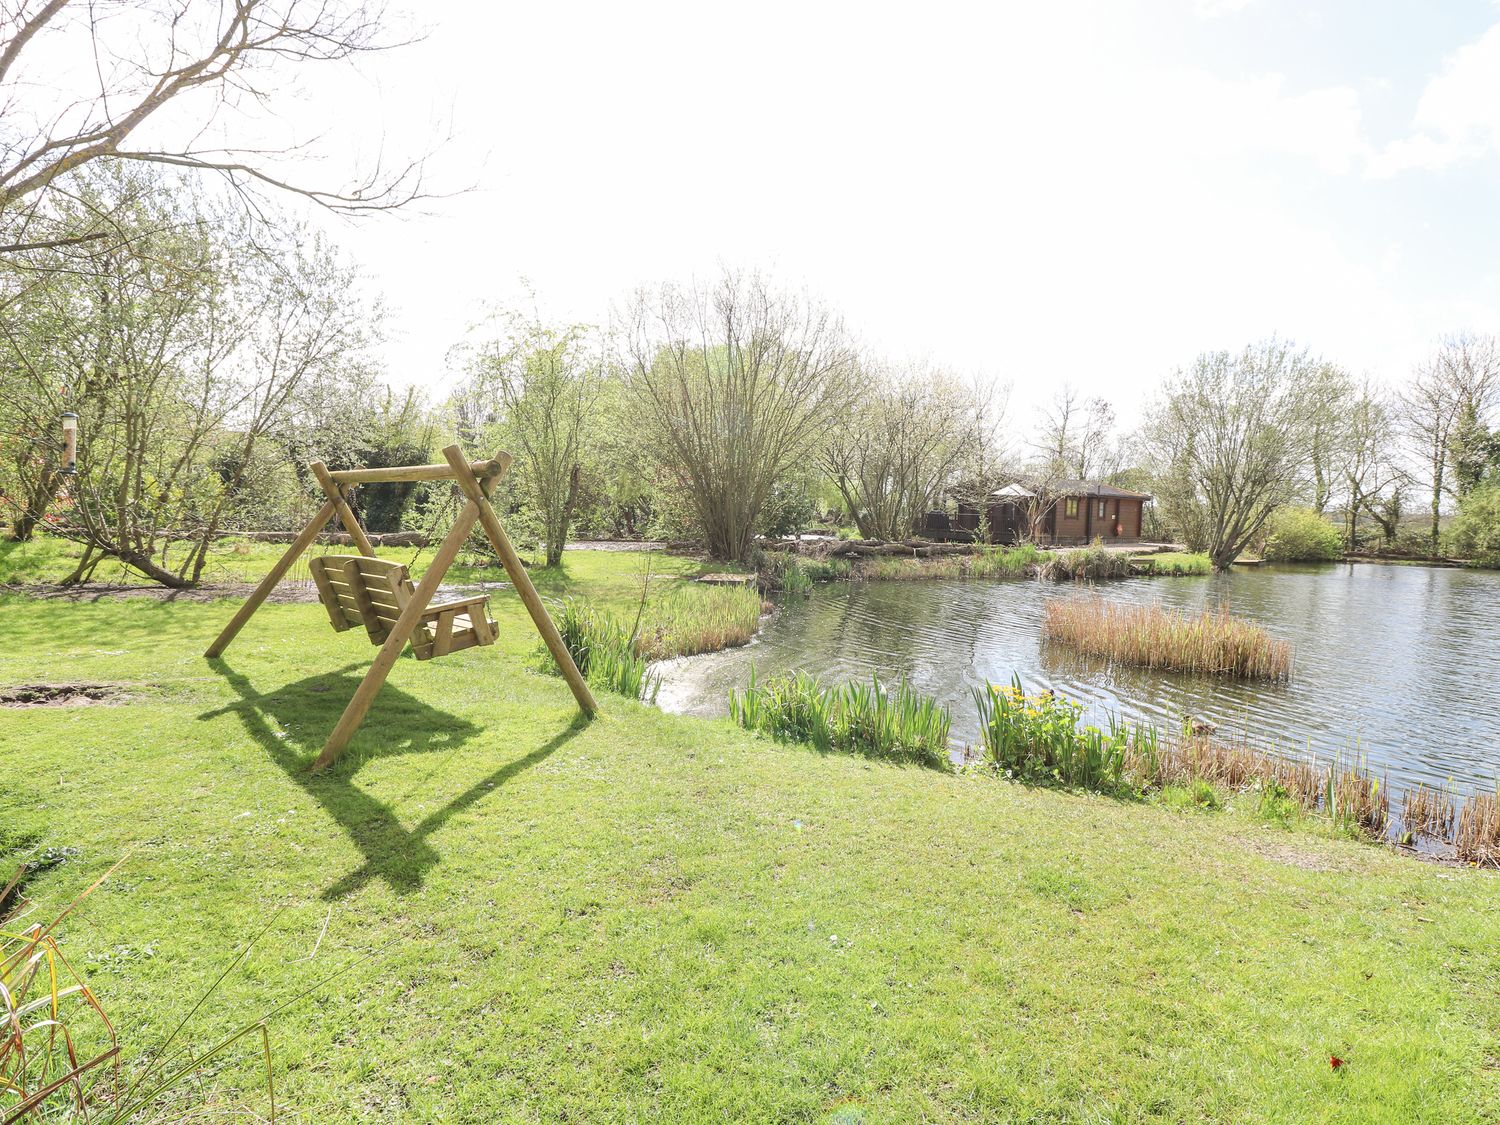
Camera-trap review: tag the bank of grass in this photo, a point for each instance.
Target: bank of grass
(651, 917)
(1214, 643)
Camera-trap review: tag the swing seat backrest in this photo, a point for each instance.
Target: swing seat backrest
(356, 590)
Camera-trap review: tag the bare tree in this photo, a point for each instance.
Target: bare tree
(547, 382)
(1074, 435)
(1228, 441)
(1449, 399)
(80, 81)
(910, 434)
(736, 385)
(1373, 477)
(1331, 400)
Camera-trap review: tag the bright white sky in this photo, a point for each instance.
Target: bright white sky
(1090, 191)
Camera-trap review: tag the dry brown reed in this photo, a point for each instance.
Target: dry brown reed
(1428, 812)
(1212, 642)
(1478, 837)
(1359, 800)
(1230, 766)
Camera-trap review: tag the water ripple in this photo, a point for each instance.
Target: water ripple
(1396, 665)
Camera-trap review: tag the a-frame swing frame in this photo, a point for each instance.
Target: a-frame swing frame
(476, 480)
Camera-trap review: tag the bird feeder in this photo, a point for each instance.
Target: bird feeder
(70, 443)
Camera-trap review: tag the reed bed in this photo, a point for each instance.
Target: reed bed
(1428, 812)
(605, 651)
(692, 619)
(699, 618)
(897, 723)
(994, 562)
(1477, 839)
(1039, 737)
(1210, 643)
(1086, 564)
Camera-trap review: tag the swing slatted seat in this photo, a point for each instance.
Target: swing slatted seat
(356, 590)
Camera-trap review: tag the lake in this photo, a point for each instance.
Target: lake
(1396, 665)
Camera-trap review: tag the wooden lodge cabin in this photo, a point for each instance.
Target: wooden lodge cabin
(1073, 512)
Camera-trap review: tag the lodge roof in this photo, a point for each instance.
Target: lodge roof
(1062, 488)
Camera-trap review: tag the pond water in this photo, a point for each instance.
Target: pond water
(1397, 665)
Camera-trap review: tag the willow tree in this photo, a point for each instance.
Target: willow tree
(1228, 442)
(735, 385)
(906, 438)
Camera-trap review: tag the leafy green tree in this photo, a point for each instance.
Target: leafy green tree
(545, 383)
(1475, 531)
(186, 346)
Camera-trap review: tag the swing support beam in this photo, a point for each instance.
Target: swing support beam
(476, 480)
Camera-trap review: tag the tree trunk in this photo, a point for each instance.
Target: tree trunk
(1437, 500)
(556, 543)
(42, 495)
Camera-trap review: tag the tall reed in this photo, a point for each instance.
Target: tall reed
(990, 562)
(698, 618)
(1211, 643)
(603, 651)
(1477, 839)
(1094, 563)
(894, 723)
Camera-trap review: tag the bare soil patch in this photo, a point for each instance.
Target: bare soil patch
(62, 695)
(285, 593)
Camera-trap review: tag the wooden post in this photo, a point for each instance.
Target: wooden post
(253, 602)
(341, 505)
(395, 641)
(479, 499)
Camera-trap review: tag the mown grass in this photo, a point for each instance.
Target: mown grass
(650, 917)
(1214, 643)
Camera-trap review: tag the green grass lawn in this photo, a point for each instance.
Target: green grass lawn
(652, 917)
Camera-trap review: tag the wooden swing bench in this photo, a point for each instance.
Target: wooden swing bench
(372, 592)
(362, 590)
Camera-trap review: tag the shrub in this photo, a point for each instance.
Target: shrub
(1301, 535)
(1475, 531)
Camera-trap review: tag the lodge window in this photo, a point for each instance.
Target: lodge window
(1071, 509)
(1101, 509)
